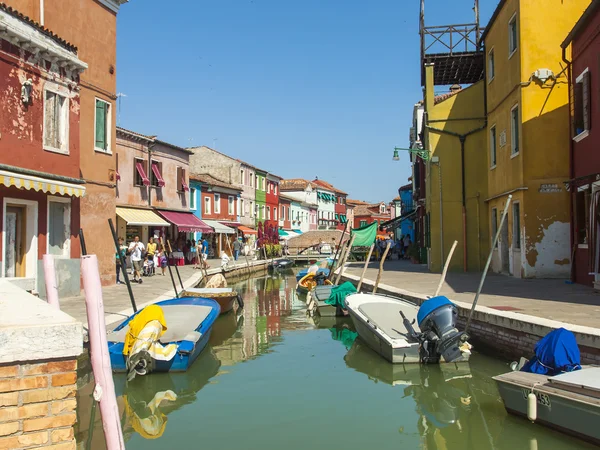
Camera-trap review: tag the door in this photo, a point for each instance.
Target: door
(504, 253)
(14, 250)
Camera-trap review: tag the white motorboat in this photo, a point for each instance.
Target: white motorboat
(387, 325)
(569, 402)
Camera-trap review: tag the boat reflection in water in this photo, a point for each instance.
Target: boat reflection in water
(341, 328)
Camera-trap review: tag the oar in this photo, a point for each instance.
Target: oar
(387, 249)
(365, 267)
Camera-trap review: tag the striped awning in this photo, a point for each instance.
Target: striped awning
(141, 217)
(34, 183)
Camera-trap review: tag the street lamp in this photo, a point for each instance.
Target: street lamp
(423, 154)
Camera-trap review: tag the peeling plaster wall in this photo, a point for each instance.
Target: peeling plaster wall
(551, 255)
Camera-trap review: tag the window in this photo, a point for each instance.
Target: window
(363, 223)
(268, 213)
(206, 205)
(274, 213)
(59, 226)
(262, 180)
(263, 215)
(493, 147)
(582, 106)
(139, 172)
(582, 214)
(252, 210)
(156, 175)
(514, 130)
(516, 226)
(494, 224)
(491, 66)
(56, 122)
(512, 35)
(275, 189)
(102, 126)
(217, 203)
(231, 205)
(242, 179)
(251, 179)
(241, 207)
(181, 184)
(282, 212)
(192, 198)
(288, 213)
(256, 181)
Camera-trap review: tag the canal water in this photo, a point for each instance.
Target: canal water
(273, 378)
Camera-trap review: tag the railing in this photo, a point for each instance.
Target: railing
(450, 39)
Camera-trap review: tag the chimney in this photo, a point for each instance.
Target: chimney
(455, 88)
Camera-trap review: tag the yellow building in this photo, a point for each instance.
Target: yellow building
(528, 135)
(456, 186)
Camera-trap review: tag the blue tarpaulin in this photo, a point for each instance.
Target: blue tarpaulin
(555, 353)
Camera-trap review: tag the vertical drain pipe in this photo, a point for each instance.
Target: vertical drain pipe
(462, 139)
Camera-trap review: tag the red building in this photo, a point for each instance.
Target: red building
(272, 200)
(340, 203)
(219, 203)
(40, 183)
(584, 77)
(285, 204)
(367, 213)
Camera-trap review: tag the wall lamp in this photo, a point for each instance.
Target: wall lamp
(423, 154)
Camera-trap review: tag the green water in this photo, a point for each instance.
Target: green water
(272, 378)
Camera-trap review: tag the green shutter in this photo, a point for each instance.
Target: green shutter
(100, 125)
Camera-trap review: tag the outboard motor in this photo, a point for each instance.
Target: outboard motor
(439, 336)
(320, 278)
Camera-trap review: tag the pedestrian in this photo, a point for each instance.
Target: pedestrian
(205, 253)
(197, 254)
(161, 258)
(136, 250)
(237, 246)
(151, 251)
(224, 261)
(122, 252)
(406, 243)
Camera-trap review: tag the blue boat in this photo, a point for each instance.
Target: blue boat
(189, 323)
(304, 272)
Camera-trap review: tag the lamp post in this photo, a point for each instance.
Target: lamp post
(422, 153)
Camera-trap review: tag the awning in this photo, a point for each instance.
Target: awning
(229, 224)
(186, 221)
(140, 170)
(219, 227)
(395, 222)
(156, 171)
(31, 182)
(246, 230)
(298, 232)
(283, 233)
(141, 217)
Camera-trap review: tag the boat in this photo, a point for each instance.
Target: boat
(225, 297)
(569, 402)
(310, 281)
(325, 300)
(189, 321)
(386, 324)
(304, 272)
(280, 264)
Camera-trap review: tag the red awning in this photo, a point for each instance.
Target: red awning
(246, 230)
(184, 185)
(156, 171)
(186, 221)
(140, 170)
(230, 224)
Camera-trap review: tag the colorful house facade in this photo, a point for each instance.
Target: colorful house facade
(339, 209)
(260, 199)
(528, 136)
(40, 183)
(304, 207)
(272, 199)
(581, 48)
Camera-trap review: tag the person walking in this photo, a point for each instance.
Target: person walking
(151, 251)
(237, 246)
(205, 253)
(136, 249)
(122, 252)
(161, 259)
(197, 254)
(406, 242)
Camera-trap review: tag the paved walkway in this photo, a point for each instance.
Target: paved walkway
(117, 304)
(550, 299)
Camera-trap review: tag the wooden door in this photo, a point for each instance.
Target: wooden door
(15, 247)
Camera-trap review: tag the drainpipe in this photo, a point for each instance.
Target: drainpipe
(148, 188)
(463, 139)
(571, 165)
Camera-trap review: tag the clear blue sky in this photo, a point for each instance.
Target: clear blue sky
(301, 88)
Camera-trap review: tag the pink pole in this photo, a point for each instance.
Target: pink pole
(104, 391)
(50, 280)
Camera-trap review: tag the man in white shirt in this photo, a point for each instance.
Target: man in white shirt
(136, 251)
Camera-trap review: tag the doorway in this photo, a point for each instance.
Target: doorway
(504, 251)
(15, 244)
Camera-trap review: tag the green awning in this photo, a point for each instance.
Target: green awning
(283, 233)
(337, 217)
(365, 236)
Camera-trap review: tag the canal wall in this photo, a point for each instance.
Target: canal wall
(39, 346)
(510, 334)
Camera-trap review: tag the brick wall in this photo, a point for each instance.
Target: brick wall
(37, 405)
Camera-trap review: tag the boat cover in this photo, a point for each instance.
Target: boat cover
(345, 335)
(555, 353)
(339, 293)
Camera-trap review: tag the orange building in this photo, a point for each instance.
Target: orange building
(91, 26)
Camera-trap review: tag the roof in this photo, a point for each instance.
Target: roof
(456, 67)
(134, 135)
(492, 20)
(13, 12)
(176, 147)
(406, 187)
(207, 178)
(294, 184)
(327, 185)
(581, 23)
(367, 210)
(351, 202)
(314, 237)
(230, 157)
(441, 97)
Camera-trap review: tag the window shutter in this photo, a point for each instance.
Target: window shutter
(179, 179)
(586, 101)
(100, 125)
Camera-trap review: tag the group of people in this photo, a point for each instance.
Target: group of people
(143, 258)
(399, 247)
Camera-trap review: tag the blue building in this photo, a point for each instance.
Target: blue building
(195, 205)
(408, 212)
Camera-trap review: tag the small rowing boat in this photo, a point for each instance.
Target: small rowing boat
(309, 282)
(225, 297)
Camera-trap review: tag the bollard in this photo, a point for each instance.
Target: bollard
(104, 391)
(50, 281)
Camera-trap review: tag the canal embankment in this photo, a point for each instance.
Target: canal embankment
(511, 315)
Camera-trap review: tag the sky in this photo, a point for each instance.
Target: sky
(302, 89)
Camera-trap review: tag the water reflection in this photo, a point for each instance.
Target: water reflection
(341, 328)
